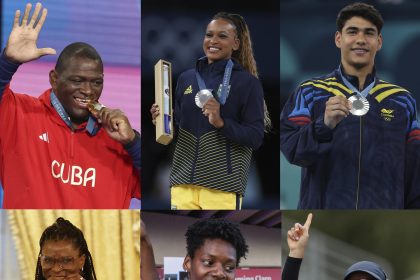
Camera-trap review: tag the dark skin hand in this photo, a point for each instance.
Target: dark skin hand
(211, 110)
(116, 124)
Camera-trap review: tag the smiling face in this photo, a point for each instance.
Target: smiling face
(80, 81)
(215, 259)
(359, 41)
(60, 259)
(220, 40)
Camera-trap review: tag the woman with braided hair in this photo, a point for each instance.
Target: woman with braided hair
(221, 116)
(64, 254)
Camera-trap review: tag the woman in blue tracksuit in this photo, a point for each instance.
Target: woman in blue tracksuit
(215, 139)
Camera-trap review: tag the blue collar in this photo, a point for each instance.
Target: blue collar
(352, 82)
(92, 126)
(223, 91)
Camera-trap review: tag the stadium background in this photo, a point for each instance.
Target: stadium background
(307, 50)
(174, 31)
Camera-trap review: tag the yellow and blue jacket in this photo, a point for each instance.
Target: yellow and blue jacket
(217, 158)
(361, 163)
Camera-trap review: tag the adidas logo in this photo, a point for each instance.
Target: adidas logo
(44, 137)
(188, 90)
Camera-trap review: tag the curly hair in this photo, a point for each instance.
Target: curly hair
(214, 228)
(64, 230)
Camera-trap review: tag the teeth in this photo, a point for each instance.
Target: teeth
(214, 49)
(84, 101)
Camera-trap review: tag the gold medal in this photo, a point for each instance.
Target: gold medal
(95, 107)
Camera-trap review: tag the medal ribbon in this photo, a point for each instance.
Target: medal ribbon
(364, 93)
(225, 84)
(60, 110)
(92, 126)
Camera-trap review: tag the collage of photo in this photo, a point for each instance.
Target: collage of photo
(187, 140)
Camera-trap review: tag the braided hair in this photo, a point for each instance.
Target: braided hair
(245, 54)
(64, 230)
(215, 228)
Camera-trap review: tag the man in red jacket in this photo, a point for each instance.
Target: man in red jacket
(63, 149)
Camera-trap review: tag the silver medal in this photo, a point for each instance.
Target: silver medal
(202, 96)
(359, 105)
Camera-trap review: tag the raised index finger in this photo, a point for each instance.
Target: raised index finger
(308, 222)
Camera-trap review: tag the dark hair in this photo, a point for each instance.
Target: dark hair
(368, 12)
(244, 55)
(64, 230)
(213, 228)
(78, 49)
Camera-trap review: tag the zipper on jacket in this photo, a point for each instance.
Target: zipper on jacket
(194, 162)
(197, 145)
(72, 144)
(360, 163)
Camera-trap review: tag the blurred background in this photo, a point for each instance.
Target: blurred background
(21, 230)
(340, 238)
(166, 230)
(112, 27)
(174, 31)
(307, 50)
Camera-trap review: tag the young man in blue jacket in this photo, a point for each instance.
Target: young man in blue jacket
(350, 131)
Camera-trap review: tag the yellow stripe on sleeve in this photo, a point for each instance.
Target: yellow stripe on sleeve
(329, 89)
(387, 93)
